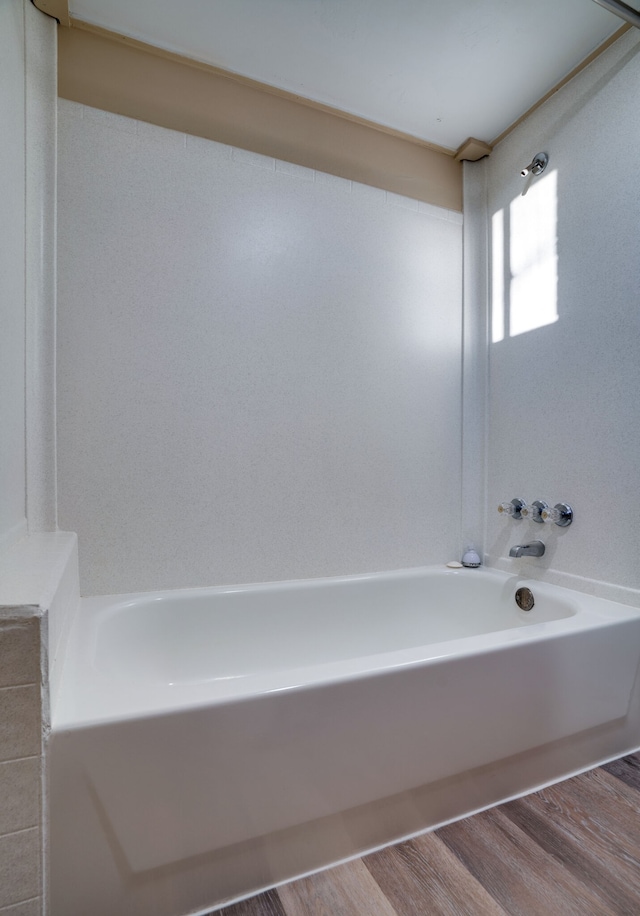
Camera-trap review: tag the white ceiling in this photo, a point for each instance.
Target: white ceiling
(436, 69)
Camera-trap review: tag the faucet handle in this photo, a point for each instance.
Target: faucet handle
(534, 511)
(513, 508)
(561, 514)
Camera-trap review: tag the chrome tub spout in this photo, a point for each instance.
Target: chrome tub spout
(534, 549)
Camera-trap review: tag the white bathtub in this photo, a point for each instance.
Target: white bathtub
(207, 743)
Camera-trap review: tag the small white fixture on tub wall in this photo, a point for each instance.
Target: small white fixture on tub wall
(471, 558)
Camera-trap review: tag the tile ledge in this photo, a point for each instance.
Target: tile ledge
(30, 571)
(13, 611)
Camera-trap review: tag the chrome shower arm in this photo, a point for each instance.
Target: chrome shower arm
(623, 10)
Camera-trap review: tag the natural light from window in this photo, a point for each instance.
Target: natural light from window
(524, 261)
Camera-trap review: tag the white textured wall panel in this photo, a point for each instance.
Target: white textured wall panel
(12, 281)
(564, 404)
(259, 366)
(40, 289)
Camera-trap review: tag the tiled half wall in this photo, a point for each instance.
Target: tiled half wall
(21, 766)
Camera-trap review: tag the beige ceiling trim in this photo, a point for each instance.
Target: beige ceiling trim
(472, 150)
(58, 9)
(254, 84)
(563, 82)
(115, 73)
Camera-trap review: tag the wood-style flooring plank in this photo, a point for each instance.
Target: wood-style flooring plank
(571, 830)
(522, 877)
(607, 809)
(424, 876)
(266, 904)
(626, 769)
(572, 849)
(348, 890)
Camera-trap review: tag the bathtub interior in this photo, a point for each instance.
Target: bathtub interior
(247, 630)
(148, 652)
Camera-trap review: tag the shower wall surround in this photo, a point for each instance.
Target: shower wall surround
(259, 365)
(564, 330)
(12, 301)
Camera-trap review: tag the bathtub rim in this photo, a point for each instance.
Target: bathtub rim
(75, 706)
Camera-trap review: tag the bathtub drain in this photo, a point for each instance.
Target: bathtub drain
(524, 599)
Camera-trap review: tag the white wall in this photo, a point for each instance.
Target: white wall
(12, 241)
(40, 279)
(564, 397)
(27, 265)
(259, 365)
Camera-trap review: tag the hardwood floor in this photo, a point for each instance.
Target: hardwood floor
(573, 848)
